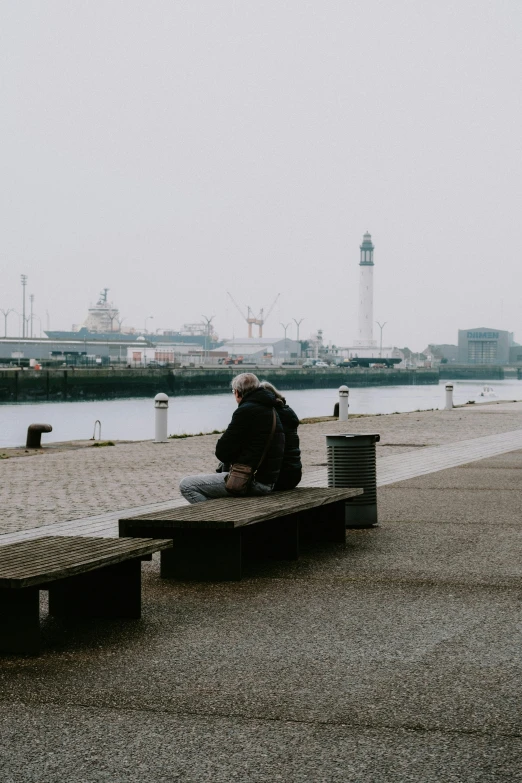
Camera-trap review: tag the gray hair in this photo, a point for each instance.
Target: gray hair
(271, 388)
(244, 383)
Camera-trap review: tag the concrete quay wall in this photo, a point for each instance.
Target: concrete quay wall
(483, 372)
(74, 384)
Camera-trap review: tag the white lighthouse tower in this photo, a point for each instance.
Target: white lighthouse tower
(365, 336)
(365, 347)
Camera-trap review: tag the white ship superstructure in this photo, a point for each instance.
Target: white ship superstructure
(103, 317)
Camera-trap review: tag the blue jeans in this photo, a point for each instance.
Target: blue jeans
(206, 486)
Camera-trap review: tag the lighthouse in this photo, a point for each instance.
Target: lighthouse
(365, 349)
(365, 335)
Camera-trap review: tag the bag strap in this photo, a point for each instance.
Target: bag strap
(268, 442)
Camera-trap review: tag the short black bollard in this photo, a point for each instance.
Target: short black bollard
(34, 435)
(351, 462)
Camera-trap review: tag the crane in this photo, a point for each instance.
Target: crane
(250, 318)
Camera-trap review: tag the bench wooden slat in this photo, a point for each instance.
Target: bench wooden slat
(238, 512)
(23, 570)
(61, 547)
(36, 560)
(51, 545)
(51, 558)
(55, 548)
(43, 560)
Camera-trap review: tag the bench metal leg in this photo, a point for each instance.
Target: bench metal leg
(275, 538)
(113, 591)
(333, 523)
(325, 523)
(20, 620)
(203, 555)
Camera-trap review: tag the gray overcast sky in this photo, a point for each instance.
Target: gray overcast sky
(172, 150)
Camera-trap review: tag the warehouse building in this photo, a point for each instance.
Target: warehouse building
(263, 350)
(484, 346)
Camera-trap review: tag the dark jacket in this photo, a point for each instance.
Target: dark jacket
(245, 438)
(291, 469)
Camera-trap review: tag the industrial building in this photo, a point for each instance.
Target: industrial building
(484, 345)
(262, 350)
(119, 349)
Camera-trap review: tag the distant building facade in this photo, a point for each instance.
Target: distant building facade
(484, 345)
(121, 349)
(443, 352)
(515, 354)
(264, 350)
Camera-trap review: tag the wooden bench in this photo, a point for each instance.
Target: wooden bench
(85, 577)
(211, 539)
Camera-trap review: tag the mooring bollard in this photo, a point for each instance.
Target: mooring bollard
(344, 393)
(449, 397)
(34, 435)
(161, 404)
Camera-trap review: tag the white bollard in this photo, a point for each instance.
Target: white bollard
(449, 397)
(343, 403)
(161, 404)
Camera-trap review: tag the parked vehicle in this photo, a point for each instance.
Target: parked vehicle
(314, 363)
(228, 360)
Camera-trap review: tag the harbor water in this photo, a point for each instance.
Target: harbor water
(133, 419)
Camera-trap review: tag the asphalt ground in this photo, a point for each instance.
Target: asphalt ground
(394, 659)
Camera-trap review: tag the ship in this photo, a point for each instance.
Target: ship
(103, 317)
(103, 324)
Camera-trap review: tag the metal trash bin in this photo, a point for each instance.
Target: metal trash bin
(351, 462)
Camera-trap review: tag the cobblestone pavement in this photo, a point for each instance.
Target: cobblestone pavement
(57, 485)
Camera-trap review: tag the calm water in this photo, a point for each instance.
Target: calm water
(134, 419)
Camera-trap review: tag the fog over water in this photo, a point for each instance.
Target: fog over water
(134, 419)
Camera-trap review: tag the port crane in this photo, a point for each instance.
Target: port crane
(252, 319)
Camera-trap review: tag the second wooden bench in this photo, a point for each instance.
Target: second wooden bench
(85, 577)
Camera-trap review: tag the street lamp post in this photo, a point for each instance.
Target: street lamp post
(286, 348)
(208, 330)
(145, 325)
(298, 323)
(31, 299)
(111, 315)
(5, 313)
(23, 278)
(381, 327)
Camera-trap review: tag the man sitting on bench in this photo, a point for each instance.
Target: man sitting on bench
(254, 438)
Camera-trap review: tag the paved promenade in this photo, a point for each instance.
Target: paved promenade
(395, 659)
(58, 486)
